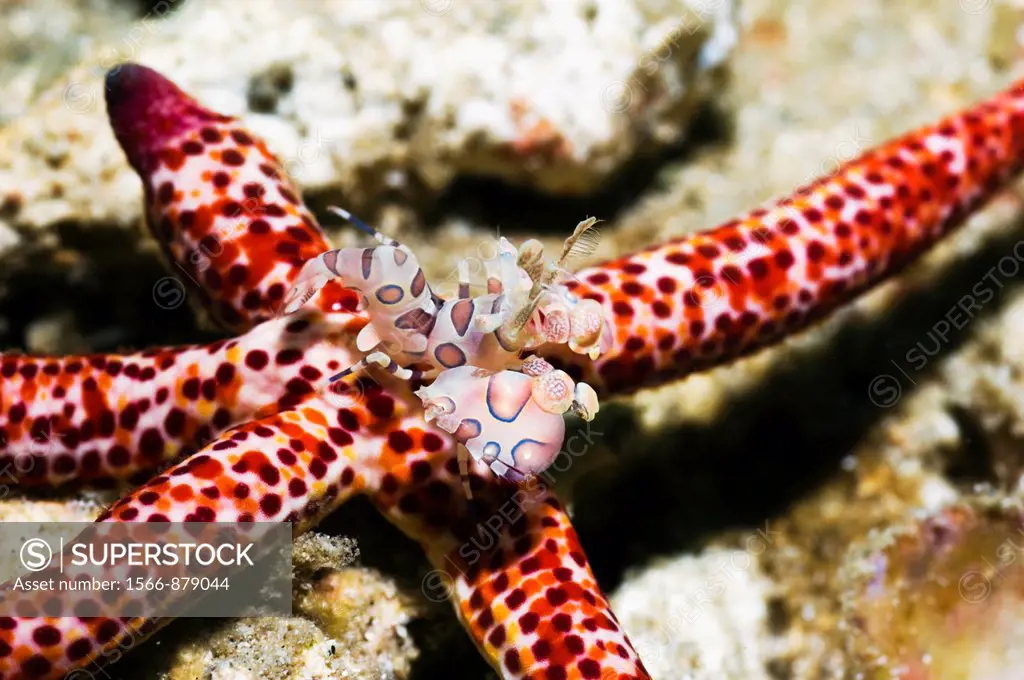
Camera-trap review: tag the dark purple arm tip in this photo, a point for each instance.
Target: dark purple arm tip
(146, 111)
(132, 91)
(118, 75)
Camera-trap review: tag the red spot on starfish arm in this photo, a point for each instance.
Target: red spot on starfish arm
(706, 299)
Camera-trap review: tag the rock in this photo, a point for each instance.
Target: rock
(362, 99)
(289, 648)
(54, 335)
(34, 52)
(938, 597)
(699, 618)
(84, 509)
(350, 623)
(9, 238)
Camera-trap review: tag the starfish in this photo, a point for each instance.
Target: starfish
(239, 430)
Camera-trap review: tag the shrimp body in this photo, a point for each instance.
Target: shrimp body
(402, 307)
(494, 415)
(467, 332)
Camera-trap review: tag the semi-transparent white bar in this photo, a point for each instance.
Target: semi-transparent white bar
(147, 569)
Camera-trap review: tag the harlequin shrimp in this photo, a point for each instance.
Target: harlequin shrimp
(526, 306)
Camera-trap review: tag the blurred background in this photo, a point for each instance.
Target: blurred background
(777, 518)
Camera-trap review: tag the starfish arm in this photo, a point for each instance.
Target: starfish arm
(107, 416)
(530, 601)
(103, 416)
(706, 299)
(69, 643)
(511, 565)
(115, 416)
(219, 203)
(295, 465)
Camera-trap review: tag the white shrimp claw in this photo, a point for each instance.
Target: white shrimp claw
(313, 276)
(585, 403)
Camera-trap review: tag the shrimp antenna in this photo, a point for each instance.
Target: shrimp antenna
(362, 226)
(582, 243)
(352, 219)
